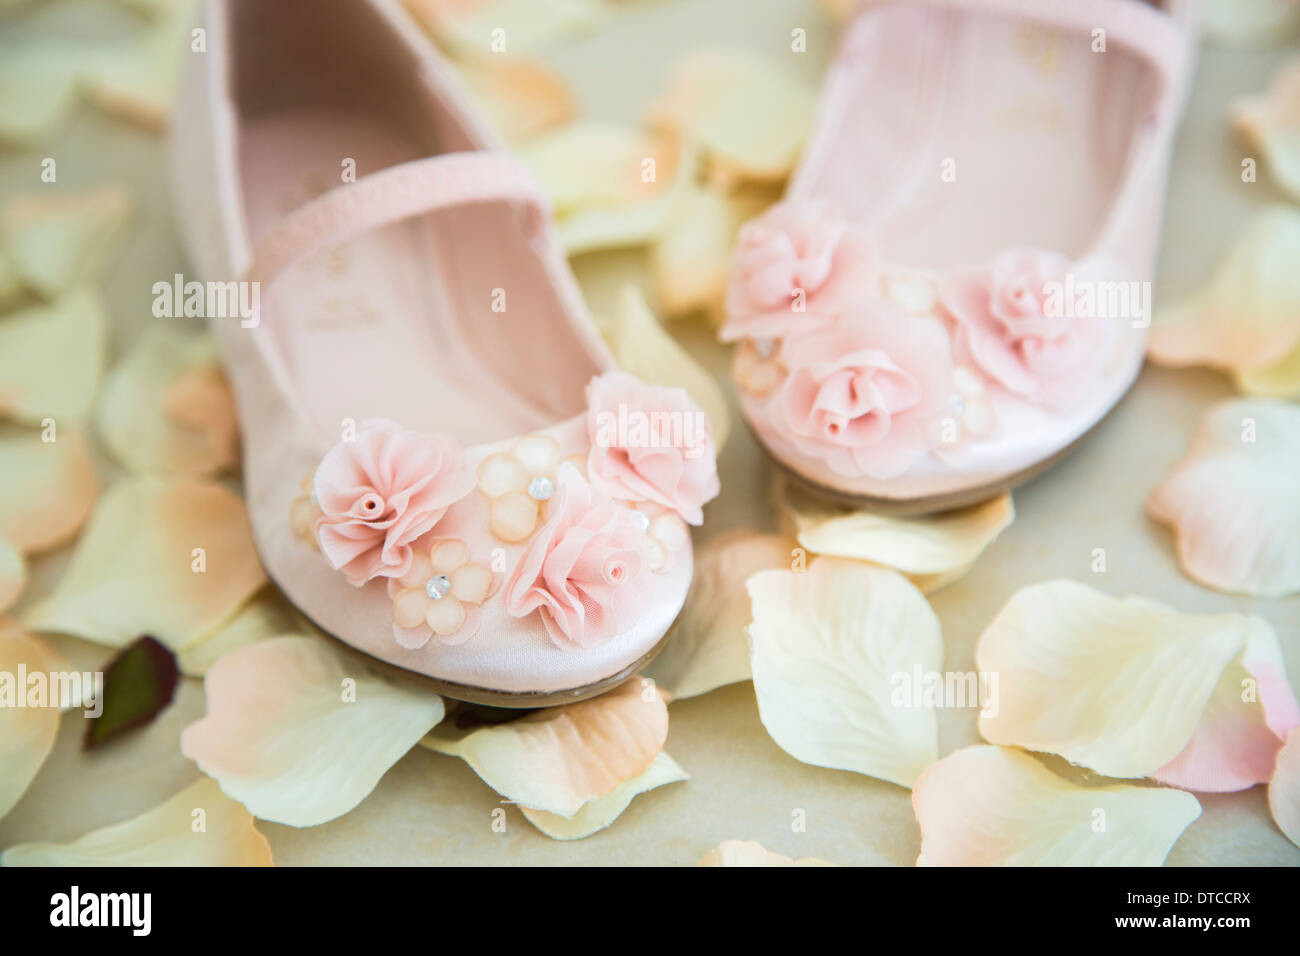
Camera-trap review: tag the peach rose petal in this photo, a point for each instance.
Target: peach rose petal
(13, 574)
(266, 616)
(749, 853)
(1248, 315)
(706, 647)
(53, 480)
(561, 758)
(166, 407)
(172, 559)
(994, 806)
(1271, 123)
(59, 241)
(521, 97)
(611, 186)
(26, 733)
(1233, 501)
(748, 113)
(828, 647)
(51, 358)
(598, 814)
(643, 347)
(167, 835)
(931, 550)
(1284, 788)
(482, 28)
(1132, 688)
(300, 733)
(1249, 23)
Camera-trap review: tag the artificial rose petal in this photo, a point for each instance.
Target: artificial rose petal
(561, 758)
(1233, 500)
(493, 27)
(597, 814)
(706, 647)
(136, 570)
(827, 647)
(749, 853)
(62, 240)
(1284, 788)
(1281, 379)
(266, 616)
(992, 806)
(521, 97)
(166, 407)
(38, 89)
(26, 732)
(13, 574)
(51, 358)
(1249, 23)
(167, 835)
(1271, 123)
(748, 113)
(54, 481)
(931, 550)
(1248, 315)
(134, 77)
(1132, 688)
(642, 346)
(610, 186)
(301, 734)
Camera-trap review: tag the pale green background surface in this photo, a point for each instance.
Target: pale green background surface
(433, 809)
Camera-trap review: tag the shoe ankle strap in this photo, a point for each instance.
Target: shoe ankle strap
(391, 195)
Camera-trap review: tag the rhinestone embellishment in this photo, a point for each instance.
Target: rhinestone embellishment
(438, 587)
(541, 488)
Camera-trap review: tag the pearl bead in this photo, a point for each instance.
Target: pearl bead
(438, 587)
(514, 516)
(764, 348)
(471, 583)
(410, 607)
(541, 488)
(642, 520)
(421, 570)
(670, 531)
(448, 556)
(967, 382)
(978, 419)
(445, 617)
(499, 474)
(537, 454)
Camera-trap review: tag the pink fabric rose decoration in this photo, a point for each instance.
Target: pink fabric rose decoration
(1009, 327)
(583, 568)
(382, 491)
(796, 245)
(860, 394)
(650, 443)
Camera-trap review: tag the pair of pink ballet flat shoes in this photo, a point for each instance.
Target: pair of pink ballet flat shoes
(443, 466)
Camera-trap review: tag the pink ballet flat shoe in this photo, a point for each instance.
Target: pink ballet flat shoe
(955, 287)
(442, 466)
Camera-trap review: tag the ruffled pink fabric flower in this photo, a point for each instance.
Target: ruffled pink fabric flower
(650, 443)
(860, 394)
(797, 267)
(583, 568)
(382, 491)
(1010, 328)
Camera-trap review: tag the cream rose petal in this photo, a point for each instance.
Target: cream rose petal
(749, 853)
(13, 575)
(1271, 123)
(1284, 788)
(168, 835)
(166, 407)
(1248, 314)
(828, 649)
(521, 97)
(60, 241)
(38, 89)
(26, 732)
(301, 734)
(51, 358)
(493, 27)
(706, 647)
(597, 814)
(48, 487)
(1132, 688)
(561, 758)
(1234, 500)
(993, 806)
(173, 559)
(1249, 23)
(749, 114)
(135, 78)
(642, 346)
(266, 616)
(932, 550)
